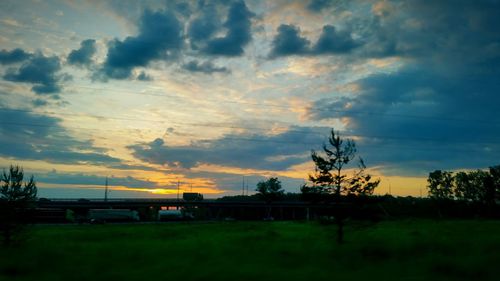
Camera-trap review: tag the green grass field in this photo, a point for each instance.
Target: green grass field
(392, 250)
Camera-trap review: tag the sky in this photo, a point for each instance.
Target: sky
(210, 96)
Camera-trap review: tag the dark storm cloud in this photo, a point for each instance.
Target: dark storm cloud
(160, 37)
(319, 5)
(13, 56)
(288, 42)
(39, 102)
(435, 30)
(238, 25)
(83, 55)
(459, 32)
(276, 152)
(422, 120)
(442, 104)
(332, 41)
(39, 70)
(30, 136)
(204, 26)
(86, 179)
(183, 8)
(205, 67)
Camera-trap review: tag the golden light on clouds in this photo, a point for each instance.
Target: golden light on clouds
(382, 8)
(362, 67)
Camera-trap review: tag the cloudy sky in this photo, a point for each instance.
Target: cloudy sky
(204, 93)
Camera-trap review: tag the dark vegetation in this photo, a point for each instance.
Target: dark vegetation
(330, 178)
(387, 207)
(390, 250)
(479, 187)
(270, 190)
(16, 198)
(473, 193)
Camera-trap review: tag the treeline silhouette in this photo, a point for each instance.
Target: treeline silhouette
(479, 186)
(467, 195)
(338, 196)
(382, 207)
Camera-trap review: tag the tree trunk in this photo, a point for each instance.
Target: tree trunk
(340, 216)
(269, 211)
(340, 230)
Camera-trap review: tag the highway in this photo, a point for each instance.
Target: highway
(144, 202)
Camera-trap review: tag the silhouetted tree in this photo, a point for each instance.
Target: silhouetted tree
(472, 186)
(16, 197)
(330, 176)
(493, 187)
(270, 190)
(314, 194)
(440, 184)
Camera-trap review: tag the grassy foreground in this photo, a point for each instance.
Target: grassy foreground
(393, 250)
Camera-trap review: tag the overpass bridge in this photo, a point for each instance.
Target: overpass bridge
(127, 203)
(206, 208)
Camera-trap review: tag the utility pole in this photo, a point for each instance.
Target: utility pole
(243, 186)
(178, 189)
(106, 191)
(390, 193)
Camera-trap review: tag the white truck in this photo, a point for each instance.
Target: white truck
(112, 215)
